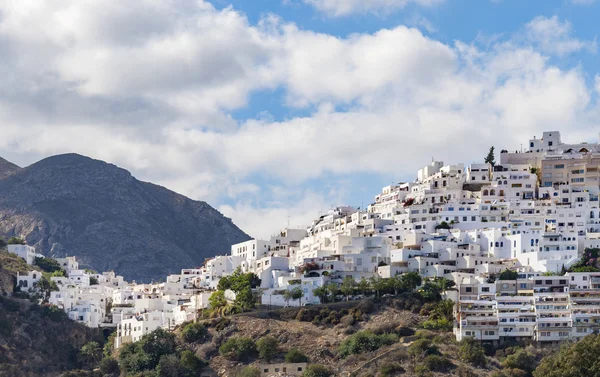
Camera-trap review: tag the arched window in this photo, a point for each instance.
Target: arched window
(485, 192)
(501, 192)
(493, 192)
(34, 276)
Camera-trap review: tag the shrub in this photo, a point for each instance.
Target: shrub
(463, 371)
(423, 347)
(424, 334)
(520, 360)
(248, 372)
(388, 369)
(238, 348)
(109, 366)
(470, 351)
(193, 332)
(191, 362)
(405, 331)
(365, 341)
(437, 363)
(347, 320)
(295, 356)
(267, 347)
(317, 370)
(437, 324)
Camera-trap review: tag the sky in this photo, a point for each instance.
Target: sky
(274, 111)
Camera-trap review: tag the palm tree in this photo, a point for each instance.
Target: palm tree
(91, 353)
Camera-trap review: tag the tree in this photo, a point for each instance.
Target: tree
(443, 225)
(317, 370)
(377, 284)
(191, 363)
(332, 289)
(46, 287)
(237, 348)
(217, 300)
(411, 280)
(245, 299)
(363, 286)
(297, 293)
(521, 360)
(508, 275)
(576, 359)
(321, 293)
(471, 351)
(193, 332)
(365, 341)
(170, 366)
(47, 264)
(93, 281)
(267, 347)
(2, 243)
(109, 367)
(490, 159)
(295, 356)
(91, 353)
(348, 286)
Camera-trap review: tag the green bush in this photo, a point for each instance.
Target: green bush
(317, 370)
(365, 341)
(146, 353)
(295, 356)
(109, 367)
(576, 359)
(193, 332)
(520, 360)
(389, 369)
(437, 363)
(422, 348)
(267, 347)
(248, 372)
(191, 362)
(471, 351)
(238, 348)
(437, 324)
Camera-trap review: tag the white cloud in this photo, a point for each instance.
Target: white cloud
(554, 36)
(339, 8)
(155, 96)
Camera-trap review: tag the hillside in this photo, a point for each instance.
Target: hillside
(38, 340)
(372, 337)
(74, 205)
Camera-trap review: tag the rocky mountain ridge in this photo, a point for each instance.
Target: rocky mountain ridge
(74, 205)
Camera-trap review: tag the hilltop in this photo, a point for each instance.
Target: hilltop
(74, 205)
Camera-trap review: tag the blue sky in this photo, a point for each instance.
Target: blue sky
(275, 110)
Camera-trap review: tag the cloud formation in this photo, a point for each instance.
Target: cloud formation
(152, 88)
(555, 37)
(340, 8)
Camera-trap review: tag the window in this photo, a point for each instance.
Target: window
(468, 289)
(559, 166)
(485, 289)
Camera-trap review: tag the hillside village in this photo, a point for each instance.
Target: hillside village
(514, 242)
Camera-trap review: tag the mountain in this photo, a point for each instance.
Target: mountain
(74, 205)
(7, 168)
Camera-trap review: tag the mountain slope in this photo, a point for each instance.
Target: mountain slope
(74, 205)
(7, 168)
